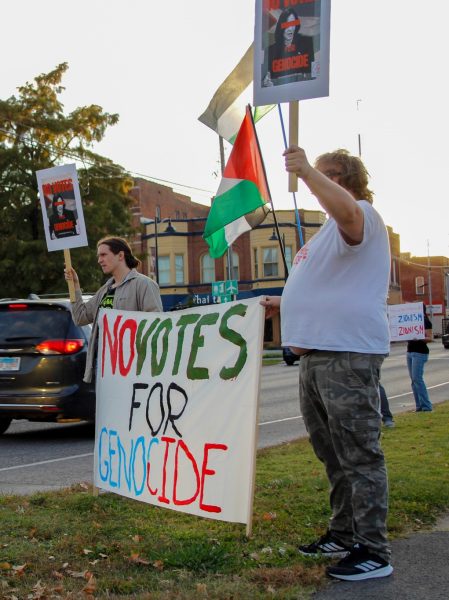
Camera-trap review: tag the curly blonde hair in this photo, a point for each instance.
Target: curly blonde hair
(354, 176)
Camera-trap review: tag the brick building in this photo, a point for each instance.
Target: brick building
(425, 279)
(185, 271)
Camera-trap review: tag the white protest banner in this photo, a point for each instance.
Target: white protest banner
(61, 206)
(406, 321)
(177, 398)
(291, 50)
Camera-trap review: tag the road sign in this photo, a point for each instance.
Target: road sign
(225, 288)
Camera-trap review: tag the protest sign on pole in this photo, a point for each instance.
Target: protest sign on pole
(62, 211)
(291, 56)
(177, 400)
(291, 50)
(406, 321)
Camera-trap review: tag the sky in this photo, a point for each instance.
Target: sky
(158, 64)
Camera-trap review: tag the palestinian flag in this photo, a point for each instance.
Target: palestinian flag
(228, 105)
(241, 200)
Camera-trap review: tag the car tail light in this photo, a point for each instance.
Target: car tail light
(60, 346)
(17, 306)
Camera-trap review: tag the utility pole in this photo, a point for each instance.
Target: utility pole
(222, 165)
(359, 137)
(429, 282)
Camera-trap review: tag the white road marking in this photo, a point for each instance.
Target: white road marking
(430, 387)
(46, 462)
(281, 420)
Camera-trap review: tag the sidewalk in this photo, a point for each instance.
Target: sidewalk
(421, 571)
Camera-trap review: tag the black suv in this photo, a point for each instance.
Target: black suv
(42, 360)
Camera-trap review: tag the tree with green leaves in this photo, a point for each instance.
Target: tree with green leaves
(35, 134)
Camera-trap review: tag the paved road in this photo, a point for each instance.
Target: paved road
(421, 572)
(36, 456)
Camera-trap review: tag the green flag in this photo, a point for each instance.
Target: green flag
(241, 200)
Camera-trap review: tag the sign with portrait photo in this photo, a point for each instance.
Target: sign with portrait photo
(291, 50)
(61, 206)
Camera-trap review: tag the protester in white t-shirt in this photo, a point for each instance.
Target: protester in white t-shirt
(333, 314)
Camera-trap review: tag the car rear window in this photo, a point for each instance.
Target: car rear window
(33, 322)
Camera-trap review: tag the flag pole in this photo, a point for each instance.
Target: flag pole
(271, 200)
(222, 166)
(298, 219)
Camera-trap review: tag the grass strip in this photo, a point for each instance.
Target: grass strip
(70, 544)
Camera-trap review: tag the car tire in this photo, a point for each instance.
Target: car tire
(4, 424)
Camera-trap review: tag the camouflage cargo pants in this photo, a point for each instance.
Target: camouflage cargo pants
(340, 405)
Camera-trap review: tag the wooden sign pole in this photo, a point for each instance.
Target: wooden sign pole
(68, 265)
(293, 124)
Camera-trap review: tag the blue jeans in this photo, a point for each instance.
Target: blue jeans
(415, 364)
(384, 405)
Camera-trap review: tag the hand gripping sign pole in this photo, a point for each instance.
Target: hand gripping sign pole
(62, 212)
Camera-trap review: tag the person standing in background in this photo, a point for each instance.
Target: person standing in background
(126, 289)
(387, 417)
(417, 356)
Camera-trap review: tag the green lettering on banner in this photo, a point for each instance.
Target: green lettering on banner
(158, 367)
(197, 343)
(235, 338)
(141, 342)
(183, 322)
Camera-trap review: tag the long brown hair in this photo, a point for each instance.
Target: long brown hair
(118, 244)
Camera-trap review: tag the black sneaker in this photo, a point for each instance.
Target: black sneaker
(327, 545)
(360, 564)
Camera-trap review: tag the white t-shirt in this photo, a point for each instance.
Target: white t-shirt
(335, 297)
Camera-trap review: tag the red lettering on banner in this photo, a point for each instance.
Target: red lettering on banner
(163, 498)
(292, 62)
(205, 471)
(57, 187)
(411, 329)
(132, 326)
(113, 349)
(63, 226)
(189, 455)
(288, 3)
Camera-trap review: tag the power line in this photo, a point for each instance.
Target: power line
(73, 156)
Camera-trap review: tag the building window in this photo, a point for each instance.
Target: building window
(270, 262)
(158, 212)
(177, 214)
(288, 257)
(393, 272)
(164, 270)
(419, 285)
(235, 271)
(235, 266)
(207, 269)
(256, 264)
(179, 268)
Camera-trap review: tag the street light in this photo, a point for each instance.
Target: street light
(169, 229)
